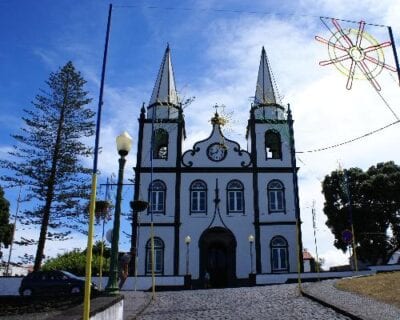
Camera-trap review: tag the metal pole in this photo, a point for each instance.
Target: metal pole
(315, 238)
(251, 257)
(88, 273)
(187, 258)
(153, 279)
(136, 248)
(112, 285)
(396, 59)
(13, 231)
(102, 242)
(351, 220)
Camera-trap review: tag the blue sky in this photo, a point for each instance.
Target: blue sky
(215, 47)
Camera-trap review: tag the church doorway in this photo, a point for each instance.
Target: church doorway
(217, 258)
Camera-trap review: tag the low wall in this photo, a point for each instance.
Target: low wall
(291, 277)
(10, 285)
(114, 311)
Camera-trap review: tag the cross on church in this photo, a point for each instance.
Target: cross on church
(217, 106)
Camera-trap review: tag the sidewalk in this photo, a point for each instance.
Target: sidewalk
(352, 305)
(134, 303)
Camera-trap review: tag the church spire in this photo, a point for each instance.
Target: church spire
(265, 93)
(164, 91)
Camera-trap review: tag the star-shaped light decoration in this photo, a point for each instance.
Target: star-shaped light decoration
(355, 53)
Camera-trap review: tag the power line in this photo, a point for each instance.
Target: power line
(351, 140)
(237, 11)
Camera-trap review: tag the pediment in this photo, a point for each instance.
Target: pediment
(216, 151)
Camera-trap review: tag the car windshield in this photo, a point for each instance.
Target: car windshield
(70, 275)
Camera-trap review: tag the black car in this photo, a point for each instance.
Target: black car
(52, 283)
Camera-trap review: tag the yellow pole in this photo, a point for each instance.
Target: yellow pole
(101, 263)
(88, 275)
(354, 247)
(153, 279)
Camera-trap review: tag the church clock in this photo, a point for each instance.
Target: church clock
(216, 151)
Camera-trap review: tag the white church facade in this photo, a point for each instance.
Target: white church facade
(237, 205)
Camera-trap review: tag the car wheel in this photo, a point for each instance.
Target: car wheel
(76, 290)
(27, 292)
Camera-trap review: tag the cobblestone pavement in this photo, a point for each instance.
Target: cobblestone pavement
(269, 302)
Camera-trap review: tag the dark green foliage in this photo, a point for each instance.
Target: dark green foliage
(75, 261)
(5, 227)
(375, 207)
(47, 157)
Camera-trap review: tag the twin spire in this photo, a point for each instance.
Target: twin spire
(164, 91)
(265, 92)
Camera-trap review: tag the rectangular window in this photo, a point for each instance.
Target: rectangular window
(276, 200)
(235, 201)
(275, 259)
(283, 258)
(157, 201)
(198, 201)
(279, 262)
(158, 259)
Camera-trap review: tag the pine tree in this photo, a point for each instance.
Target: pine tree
(47, 158)
(5, 226)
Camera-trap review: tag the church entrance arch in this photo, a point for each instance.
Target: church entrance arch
(218, 257)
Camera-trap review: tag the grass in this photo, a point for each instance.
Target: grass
(382, 287)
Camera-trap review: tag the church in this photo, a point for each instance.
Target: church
(221, 212)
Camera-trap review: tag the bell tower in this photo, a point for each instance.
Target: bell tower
(162, 125)
(158, 164)
(274, 179)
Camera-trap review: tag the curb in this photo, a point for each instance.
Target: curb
(331, 306)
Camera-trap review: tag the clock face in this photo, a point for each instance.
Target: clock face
(216, 151)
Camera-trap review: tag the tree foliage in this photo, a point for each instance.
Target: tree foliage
(75, 261)
(5, 227)
(375, 209)
(47, 158)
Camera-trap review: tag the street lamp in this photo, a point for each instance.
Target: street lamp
(124, 144)
(251, 241)
(188, 239)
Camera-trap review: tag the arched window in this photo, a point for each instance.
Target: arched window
(279, 254)
(157, 195)
(160, 149)
(276, 196)
(158, 256)
(273, 147)
(234, 196)
(198, 197)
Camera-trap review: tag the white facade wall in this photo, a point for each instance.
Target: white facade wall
(287, 181)
(167, 236)
(169, 180)
(286, 231)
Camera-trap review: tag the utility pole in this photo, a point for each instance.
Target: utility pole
(315, 237)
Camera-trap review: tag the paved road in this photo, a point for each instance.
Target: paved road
(269, 302)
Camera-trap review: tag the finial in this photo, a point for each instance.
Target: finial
(217, 119)
(216, 109)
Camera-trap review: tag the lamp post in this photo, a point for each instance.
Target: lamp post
(124, 143)
(251, 241)
(187, 241)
